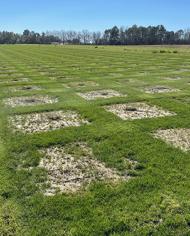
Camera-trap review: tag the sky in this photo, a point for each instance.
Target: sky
(43, 15)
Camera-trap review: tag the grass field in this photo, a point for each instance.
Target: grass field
(151, 195)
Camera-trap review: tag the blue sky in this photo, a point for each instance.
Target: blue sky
(42, 15)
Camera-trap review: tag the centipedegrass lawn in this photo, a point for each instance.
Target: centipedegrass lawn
(154, 198)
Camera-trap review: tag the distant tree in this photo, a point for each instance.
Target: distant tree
(160, 34)
(106, 36)
(114, 36)
(122, 38)
(26, 33)
(133, 35)
(96, 38)
(187, 36)
(179, 36)
(170, 37)
(85, 37)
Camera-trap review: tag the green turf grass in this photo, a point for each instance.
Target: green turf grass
(156, 201)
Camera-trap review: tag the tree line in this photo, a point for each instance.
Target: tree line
(135, 35)
(28, 37)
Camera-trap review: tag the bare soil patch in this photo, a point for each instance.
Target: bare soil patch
(29, 101)
(100, 94)
(160, 89)
(71, 169)
(46, 121)
(133, 111)
(179, 138)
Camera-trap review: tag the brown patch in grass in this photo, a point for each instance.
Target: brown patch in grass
(160, 89)
(81, 84)
(173, 78)
(179, 138)
(26, 88)
(15, 80)
(73, 168)
(46, 121)
(133, 111)
(29, 101)
(100, 94)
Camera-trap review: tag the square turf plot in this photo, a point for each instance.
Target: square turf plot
(7, 71)
(133, 111)
(173, 78)
(12, 74)
(44, 73)
(15, 80)
(72, 168)
(179, 138)
(160, 89)
(29, 101)
(81, 84)
(26, 88)
(46, 121)
(107, 93)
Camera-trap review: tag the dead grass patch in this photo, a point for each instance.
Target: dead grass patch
(179, 138)
(100, 94)
(26, 88)
(173, 78)
(81, 84)
(15, 80)
(46, 121)
(184, 70)
(29, 101)
(160, 89)
(2, 75)
(44, 73)
(133, 111)
(73, 168)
